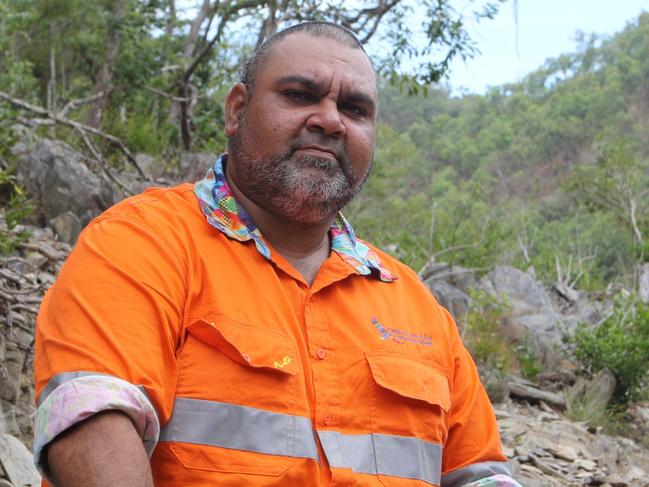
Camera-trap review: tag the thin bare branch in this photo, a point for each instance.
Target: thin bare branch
(77, 126)
(174, 98)
(73, 104)
(100, 159)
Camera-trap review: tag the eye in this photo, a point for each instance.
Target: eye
(355, 110)
(299, 95)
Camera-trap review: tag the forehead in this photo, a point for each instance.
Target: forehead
(321, 58)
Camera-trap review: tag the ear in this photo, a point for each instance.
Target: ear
(236, 102)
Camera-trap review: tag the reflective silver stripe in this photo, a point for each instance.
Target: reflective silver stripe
(396, 456)
(473, 472)
(240, 428)
(63, 377)
(60, 379)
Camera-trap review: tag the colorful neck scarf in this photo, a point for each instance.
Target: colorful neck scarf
(224, 212)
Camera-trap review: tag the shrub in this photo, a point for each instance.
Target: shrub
(621, 344)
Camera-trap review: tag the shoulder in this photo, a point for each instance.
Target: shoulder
(162, 220)
(177, 201)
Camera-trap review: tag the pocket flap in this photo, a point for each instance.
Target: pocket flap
(247, 345)
(410, 377)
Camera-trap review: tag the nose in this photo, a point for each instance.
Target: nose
(326, 119)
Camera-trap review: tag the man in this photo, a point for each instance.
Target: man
(240, 328)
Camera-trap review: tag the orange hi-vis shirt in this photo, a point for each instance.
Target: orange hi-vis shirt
(253, 377)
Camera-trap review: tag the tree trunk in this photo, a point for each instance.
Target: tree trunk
(643, 283)
(105, 76)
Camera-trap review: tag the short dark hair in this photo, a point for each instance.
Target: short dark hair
(250, 68)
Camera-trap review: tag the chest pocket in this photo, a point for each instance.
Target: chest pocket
(235, 400)
(409, 409)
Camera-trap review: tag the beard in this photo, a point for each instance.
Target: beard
(302, 188)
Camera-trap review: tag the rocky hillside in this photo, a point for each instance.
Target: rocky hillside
(544, 446)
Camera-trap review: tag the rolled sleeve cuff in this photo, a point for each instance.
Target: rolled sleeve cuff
(494, 481)
(81, 397)
(483, 474)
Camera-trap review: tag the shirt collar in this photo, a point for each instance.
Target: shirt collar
(223, 211)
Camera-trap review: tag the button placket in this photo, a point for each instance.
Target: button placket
(323, 369)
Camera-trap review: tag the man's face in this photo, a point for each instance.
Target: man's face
(302, 143)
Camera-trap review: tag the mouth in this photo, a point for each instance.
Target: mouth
(318, 151)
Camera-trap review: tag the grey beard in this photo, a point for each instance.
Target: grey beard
(285, 183)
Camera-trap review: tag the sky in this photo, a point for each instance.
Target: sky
(546, 29)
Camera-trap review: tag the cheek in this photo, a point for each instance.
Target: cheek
(361, 150)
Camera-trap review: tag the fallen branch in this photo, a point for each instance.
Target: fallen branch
(530, 392)
(77, 126)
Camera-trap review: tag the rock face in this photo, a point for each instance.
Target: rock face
(193, 166)
(453, 299)
(23, 279)
(450, 285)
(532, 314)
(59, 178)
(17, 463)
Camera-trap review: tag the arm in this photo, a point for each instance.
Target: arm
(104, 450)
(119, 354)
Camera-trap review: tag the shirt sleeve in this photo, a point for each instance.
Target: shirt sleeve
(472, 453)
(495, 481)
(80, 397)
(108, 329)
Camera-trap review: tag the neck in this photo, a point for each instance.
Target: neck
(305, 246)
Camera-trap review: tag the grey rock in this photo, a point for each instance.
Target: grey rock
(18, 462)
(149, 164)
(194, 165)
(57, 177)
(454, 300)
(36, 259)
(533, 320)
(67, 227)
(616, 480)
(594, 395)
(526, 295)
(17, 265)
(456, 276)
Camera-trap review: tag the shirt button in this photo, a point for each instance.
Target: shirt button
(328, 419)
(321, 353)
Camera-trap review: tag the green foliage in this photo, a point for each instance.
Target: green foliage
(528, 362)
(538, 174)
(17, 206)
(621, 344)
(483, 333)
(619, 184)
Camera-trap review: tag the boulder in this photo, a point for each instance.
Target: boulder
(455, 275)
(454, 300)
(17, 462)
(67, 227)
(532, 315)
(592, 396)
(194, 165)
(59, 180)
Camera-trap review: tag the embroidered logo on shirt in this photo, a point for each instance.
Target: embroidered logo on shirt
(285, 361)
(397, 335)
